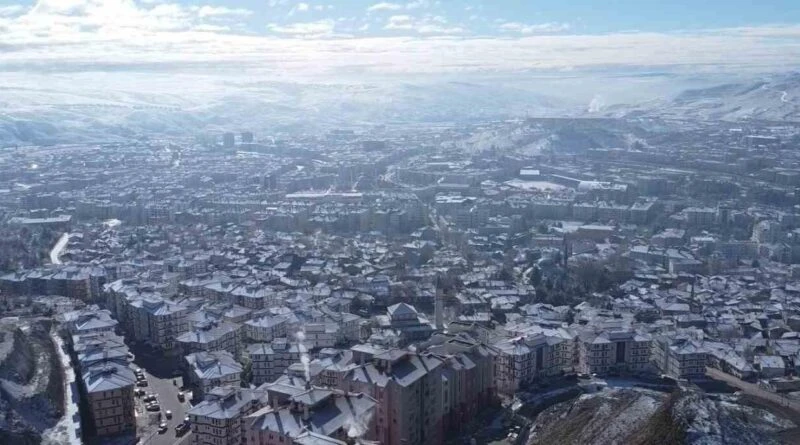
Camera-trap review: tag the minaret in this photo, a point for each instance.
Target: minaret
(438, 309)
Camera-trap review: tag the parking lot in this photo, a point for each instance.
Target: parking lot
(160, 383)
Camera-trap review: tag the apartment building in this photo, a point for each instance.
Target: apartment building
(468, 381)
(158, 322)
(270, 327)
(333, 414)
(525, 359)
(270, 360)
(89, 321)
(321, 335)
(407, 387)
(108, 388)
(219, 419)
(614, 351)
(680, 358)
(405, 319)
(208, 370)
(211, 335)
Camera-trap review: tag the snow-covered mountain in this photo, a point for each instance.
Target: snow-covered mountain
(774, 98)
(40, 116)
(119, 106)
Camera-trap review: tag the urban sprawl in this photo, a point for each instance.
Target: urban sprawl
(398, 286)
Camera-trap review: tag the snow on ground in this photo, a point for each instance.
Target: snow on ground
(66, 430)
(58, 249)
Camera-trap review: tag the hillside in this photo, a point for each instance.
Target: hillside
(640, 417)
(774, 98)
(38, 115)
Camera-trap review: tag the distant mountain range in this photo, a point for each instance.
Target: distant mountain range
(38, 115)
(776, 98)
(41, 117)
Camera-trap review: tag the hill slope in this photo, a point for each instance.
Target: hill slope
(640, 417)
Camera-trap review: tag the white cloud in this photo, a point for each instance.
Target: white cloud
(540, 28)
(302, 7)
(211, 28)
(11, 10)
(385, 6)
(305, 29)
(425, 25)
(75, 35)
(222, 11)
(417, 4)
(399, 22)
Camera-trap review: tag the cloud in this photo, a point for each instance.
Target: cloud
(541, 28)
(74, 36)
(304, 29)
(399, 22)
(417, 4)
(384, 6)
(388, 6)
(11, 10)
(222, 11)
(302, 7)
(426, 25)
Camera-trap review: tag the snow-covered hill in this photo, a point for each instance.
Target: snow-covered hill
(108, 113)
(774, 98)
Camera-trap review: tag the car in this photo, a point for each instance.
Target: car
(186, 420)
(181, 396)
(162, 428)
(181, 429)
(150, 398)
(153, 407)
(168, 413)
(142, 383)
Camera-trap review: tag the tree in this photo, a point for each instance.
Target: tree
(247, 371)
(536, 276)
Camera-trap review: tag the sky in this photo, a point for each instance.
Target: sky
(326, 38)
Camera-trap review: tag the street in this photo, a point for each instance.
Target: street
(756, 391)
(162, 385)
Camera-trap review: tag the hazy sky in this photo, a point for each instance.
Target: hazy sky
(418, 36)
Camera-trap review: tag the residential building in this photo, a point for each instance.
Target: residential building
(270, 360)
(614, 351)
(212, 369)
(219, 419)
(328, 413)
(108, 388)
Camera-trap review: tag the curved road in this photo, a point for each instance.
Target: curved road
(58, 249)
(754, 390)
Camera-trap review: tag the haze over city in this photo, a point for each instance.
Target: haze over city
(360, 222)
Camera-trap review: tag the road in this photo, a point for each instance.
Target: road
(168, 399)
(58, 249)
(756, 391)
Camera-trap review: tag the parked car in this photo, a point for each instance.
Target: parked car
(181, 429)
(150, 398)
(142, 383)
(162, 428)
(168, 413)
(153, 407)
(181, 396)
